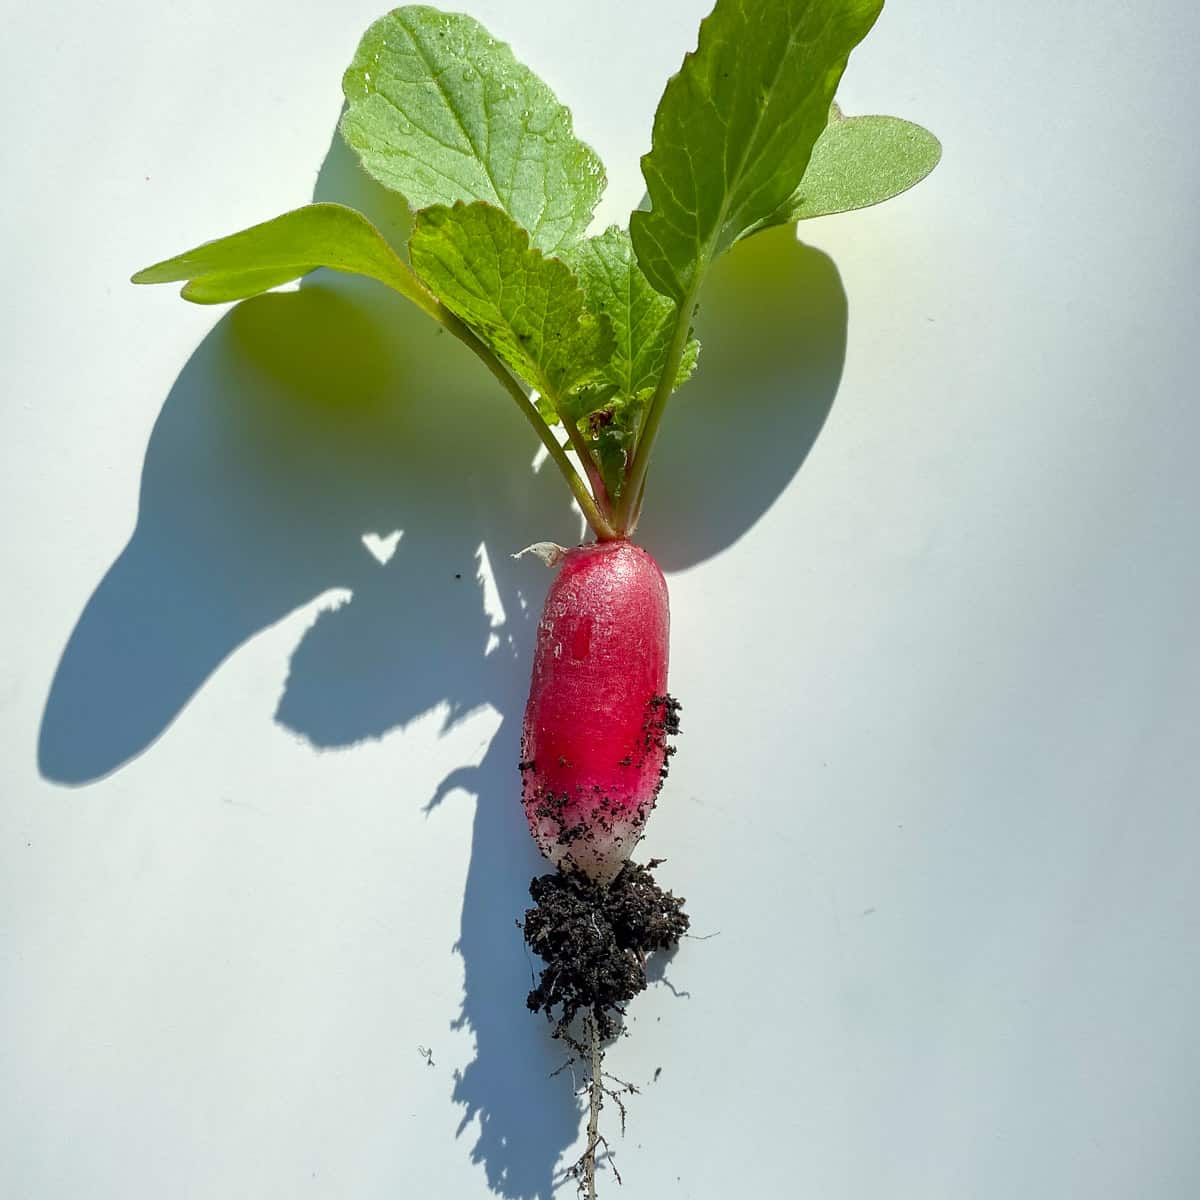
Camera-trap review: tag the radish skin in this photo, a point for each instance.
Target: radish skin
(594, 748)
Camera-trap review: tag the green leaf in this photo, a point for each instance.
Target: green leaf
(612, 445)
(857, 162)
(440, 111)
(282, 249)
(528, 308)
(609, 424)
(608, 414)
(588, 400)
(643, 320)
(735, 128)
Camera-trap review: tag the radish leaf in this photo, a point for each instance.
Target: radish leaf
(440, 111)
(857, 162)
(528, 308)
(612, 445)
(735, 128)
(608, 424)
(608, 414)
(595, 333)
(277, 251)
(643, 320)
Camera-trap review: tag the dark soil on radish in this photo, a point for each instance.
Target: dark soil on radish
(595, 940)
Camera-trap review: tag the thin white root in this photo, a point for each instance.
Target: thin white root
(595, 1103)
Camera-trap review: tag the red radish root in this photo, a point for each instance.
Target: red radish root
(594, 750)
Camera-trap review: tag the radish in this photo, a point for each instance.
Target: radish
(594, 748)
(589, 336)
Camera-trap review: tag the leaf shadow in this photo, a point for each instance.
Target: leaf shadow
(773, 342)
(307, 419)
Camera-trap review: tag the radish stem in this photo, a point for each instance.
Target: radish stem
(588, 462)
(629, 507)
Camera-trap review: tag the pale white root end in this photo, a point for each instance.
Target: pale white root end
(599, 853)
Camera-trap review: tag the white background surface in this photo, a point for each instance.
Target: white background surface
(937, 789)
